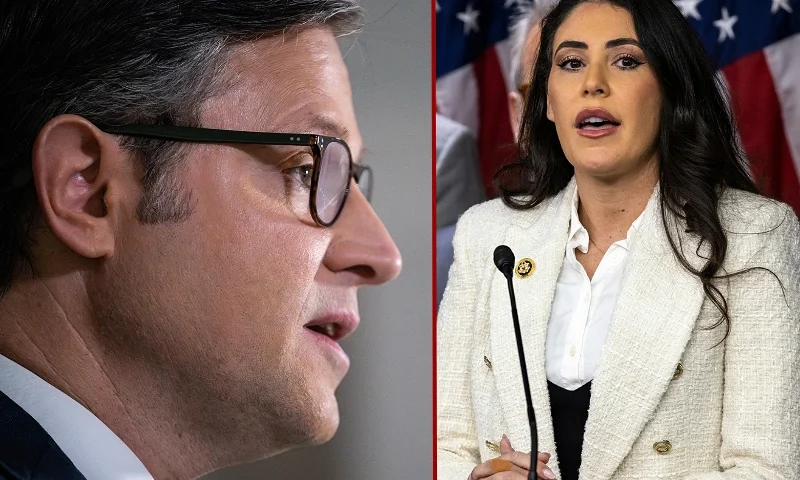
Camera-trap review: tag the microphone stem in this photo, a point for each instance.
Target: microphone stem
(525, 384)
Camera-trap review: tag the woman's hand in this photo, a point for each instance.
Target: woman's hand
(512, 465)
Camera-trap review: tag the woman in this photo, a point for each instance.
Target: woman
(659, 306)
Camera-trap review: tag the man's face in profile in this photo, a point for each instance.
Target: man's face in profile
(230, 313)
(516, 102)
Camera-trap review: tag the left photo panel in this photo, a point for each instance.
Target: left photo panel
(216, 240)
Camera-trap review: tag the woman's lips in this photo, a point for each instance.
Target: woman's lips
(599, 113)
(597, 132)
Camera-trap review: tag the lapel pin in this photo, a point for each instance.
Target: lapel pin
(525, 268)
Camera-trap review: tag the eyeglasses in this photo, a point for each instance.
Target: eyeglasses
(330, 177)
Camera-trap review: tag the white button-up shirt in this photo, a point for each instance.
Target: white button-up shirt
(581, 314)
(96, 451)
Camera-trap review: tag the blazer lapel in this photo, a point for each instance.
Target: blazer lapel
(542, 241)
(653, 321)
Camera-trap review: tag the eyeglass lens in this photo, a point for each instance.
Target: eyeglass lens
(334, 175)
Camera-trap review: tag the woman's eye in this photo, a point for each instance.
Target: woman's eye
(628, 63)
(571, 64)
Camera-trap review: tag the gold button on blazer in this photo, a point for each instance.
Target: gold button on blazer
(734, 414)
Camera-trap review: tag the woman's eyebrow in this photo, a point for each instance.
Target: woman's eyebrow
(609, 44)
(622, 41)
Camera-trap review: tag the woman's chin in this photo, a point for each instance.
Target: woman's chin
(600, 169)
(610, 170)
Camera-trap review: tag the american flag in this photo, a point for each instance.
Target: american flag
(473, 61)
(754, 43)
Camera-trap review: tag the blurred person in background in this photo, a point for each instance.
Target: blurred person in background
(526, 31)
(185, 226)
(658, 292)
(458, 184)
(458, 178)
(458, 187)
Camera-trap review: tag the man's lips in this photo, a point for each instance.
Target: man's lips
(335, 326)
(595, 117)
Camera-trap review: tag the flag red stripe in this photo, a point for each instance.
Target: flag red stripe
(758, 114)
(495, 140)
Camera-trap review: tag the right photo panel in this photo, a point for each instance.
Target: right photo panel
(617, 239)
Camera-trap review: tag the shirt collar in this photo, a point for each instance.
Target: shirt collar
(96, 451)
(578, 235)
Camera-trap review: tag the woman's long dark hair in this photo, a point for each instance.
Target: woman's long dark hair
(698, 154)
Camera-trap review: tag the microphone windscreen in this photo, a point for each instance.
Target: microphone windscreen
(504, 259)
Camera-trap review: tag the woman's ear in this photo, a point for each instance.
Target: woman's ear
(550, 115)
(75, 167)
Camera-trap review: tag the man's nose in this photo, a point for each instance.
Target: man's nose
(361, 245)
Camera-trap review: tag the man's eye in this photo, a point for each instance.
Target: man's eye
(301, 173)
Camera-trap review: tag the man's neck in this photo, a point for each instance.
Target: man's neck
(50, 338)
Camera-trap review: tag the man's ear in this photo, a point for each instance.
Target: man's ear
(515, 108)
(75, 167)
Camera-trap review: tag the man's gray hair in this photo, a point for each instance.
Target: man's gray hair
(528, 15)
(118, 62)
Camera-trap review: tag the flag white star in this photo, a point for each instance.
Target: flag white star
(725, 25)
(689, 8)
(511, 3)
(437, 6)
(470, 19)
(781, 4)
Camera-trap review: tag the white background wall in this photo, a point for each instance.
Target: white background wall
(386, 430)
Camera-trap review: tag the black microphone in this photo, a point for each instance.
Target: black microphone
(504, 260)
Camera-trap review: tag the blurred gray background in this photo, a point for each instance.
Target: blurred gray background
(385, 401)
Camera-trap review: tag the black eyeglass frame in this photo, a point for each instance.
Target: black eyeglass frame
(318, 144)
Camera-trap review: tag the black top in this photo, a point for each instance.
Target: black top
(27, 452)
(569, 410)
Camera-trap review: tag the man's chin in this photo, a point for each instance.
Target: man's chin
(314, 426)
(327, 426)
(312, 430)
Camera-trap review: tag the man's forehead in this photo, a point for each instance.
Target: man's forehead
(295, 83)
(530, 49)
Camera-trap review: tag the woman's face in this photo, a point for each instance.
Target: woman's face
(602, 94)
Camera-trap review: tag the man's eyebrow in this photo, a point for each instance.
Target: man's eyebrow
(326, 125)
(609, 44)
(323, 125)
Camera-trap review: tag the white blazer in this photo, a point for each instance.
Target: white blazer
(730, 411)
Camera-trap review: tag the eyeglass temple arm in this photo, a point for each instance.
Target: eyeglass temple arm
(208, 135)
